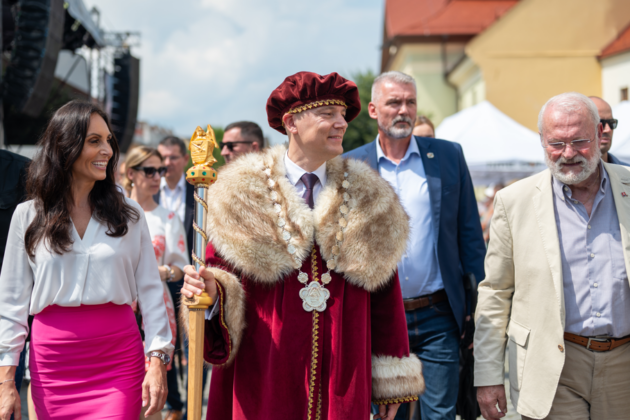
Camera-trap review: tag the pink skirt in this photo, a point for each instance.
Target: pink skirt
(86, 362)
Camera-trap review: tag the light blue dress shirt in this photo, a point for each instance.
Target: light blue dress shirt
(418, 271)
(595, 282)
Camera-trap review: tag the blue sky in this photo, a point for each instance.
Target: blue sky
(217, 61)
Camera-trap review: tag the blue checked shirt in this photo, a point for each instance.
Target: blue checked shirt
(596, 291)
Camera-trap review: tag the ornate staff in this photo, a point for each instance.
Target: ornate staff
(201, 175)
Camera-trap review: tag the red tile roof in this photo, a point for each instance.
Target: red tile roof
(442, 17)
(619, 45)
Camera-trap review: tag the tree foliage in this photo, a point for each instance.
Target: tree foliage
(218, 132)
(362, 129)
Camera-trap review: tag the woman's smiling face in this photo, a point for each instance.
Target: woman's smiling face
(91, 165)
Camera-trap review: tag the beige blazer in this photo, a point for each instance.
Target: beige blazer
(522, 297)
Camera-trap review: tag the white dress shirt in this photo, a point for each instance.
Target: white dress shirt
(294, 174)
(174, 200)
(97, 269)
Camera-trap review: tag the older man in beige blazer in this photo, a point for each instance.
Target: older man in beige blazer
(556, 289)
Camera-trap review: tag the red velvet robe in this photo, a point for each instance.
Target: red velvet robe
(274, 360)
(270, 376)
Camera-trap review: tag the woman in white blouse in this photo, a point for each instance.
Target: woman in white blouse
(142, 181)
(78, 255)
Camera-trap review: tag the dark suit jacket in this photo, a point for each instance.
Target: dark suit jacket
(12, 191)
(189, 216)
(615, 160)
(458, 237)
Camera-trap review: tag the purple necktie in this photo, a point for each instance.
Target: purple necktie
(309, 181)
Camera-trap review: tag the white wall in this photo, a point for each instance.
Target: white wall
(615, 76)
(473, 95)
(473, 90)
(471, 86)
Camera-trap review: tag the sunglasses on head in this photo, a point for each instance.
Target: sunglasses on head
(612, 123)
(230, 144)
(150, 171)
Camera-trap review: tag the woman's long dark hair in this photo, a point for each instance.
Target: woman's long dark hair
(49, 182)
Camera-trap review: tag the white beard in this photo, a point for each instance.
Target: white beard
(588, 168)
(398, 133)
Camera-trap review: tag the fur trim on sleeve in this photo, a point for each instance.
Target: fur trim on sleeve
(396, 380)
(231, 312)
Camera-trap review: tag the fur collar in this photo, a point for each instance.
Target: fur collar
(242, 224)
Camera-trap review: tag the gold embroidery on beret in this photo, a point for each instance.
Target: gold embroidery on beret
(316, 104)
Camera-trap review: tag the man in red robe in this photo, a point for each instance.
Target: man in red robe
(309, 321)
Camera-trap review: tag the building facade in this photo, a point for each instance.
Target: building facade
(427, 39)
(517, 54)
(615, 62)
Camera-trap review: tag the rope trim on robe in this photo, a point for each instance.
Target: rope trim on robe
(222, 318)
(314, 355)
(315, 385)
(396, 400)
(319, 404)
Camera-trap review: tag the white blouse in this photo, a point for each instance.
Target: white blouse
(98, 269)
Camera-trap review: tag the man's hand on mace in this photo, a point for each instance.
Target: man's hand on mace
(196, 282)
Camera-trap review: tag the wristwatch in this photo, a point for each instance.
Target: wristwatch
(165, 358)
(172, 274)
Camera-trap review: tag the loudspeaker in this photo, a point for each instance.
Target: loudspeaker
(31, 70)
(8, 24)
(125, 98)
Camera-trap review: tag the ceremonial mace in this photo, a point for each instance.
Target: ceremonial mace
(201, 175)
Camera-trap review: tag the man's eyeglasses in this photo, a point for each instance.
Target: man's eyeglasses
(612, 123)
(150, 171)
(582, 144)
(230, 144)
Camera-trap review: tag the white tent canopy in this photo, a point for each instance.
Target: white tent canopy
(497, 148)
(621, 136)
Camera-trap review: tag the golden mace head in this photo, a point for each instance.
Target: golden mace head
(202, 145)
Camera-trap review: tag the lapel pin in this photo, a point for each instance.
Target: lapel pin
(623, 194)
(430, 155)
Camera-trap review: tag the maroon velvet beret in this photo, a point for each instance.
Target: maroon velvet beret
(306, 90)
